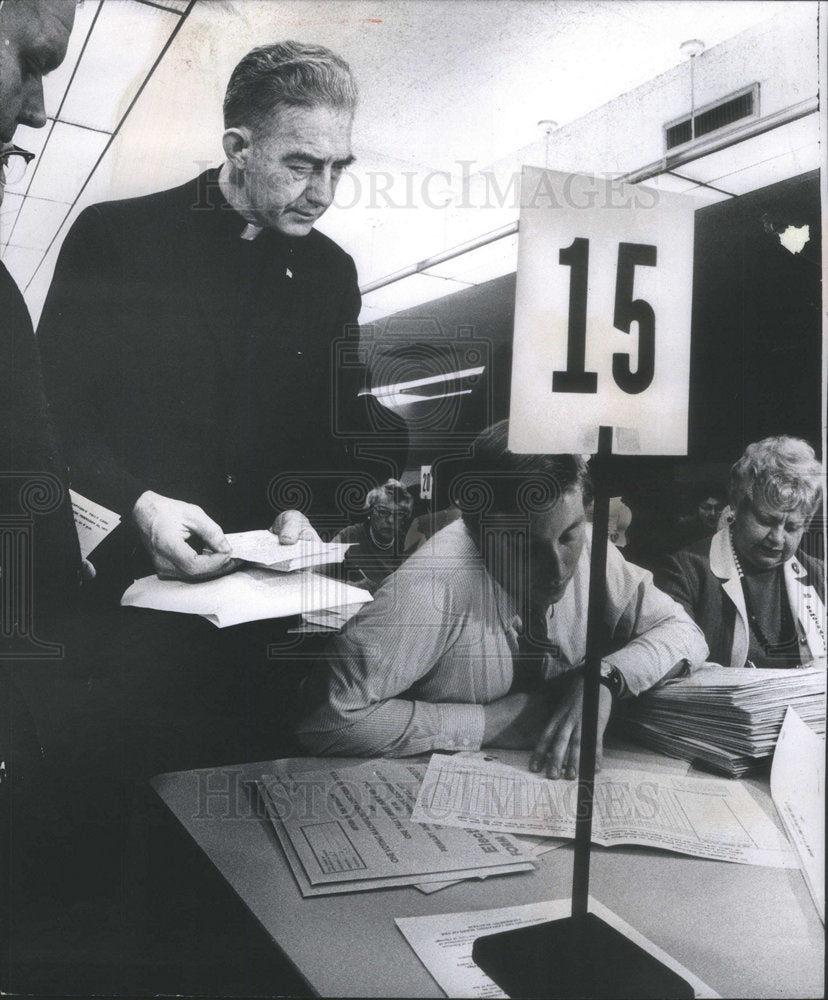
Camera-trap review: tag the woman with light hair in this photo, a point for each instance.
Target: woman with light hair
(759, 602)
(377, 543)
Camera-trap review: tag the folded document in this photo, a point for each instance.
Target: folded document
(244, 596)
(263, 548)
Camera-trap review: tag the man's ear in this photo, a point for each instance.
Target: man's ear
(236, 143)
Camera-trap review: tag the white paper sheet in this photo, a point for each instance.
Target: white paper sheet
(443, 943)
(93, 522)
(244, 596)
(798, 789)
(350, 826)
(263, 548)
(422, 882)
(704, 817)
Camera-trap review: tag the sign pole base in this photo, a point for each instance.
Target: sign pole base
(581, 955)
(576, 957)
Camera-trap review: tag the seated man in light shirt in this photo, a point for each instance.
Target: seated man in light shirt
(477, 640)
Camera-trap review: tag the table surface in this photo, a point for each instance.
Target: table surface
(745, 931)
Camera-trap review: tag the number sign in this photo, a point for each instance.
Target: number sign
(602, 316)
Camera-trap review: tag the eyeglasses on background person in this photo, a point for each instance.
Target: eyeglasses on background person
(14, 163)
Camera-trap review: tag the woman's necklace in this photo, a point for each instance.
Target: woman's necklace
(787, 632)
(380, 545)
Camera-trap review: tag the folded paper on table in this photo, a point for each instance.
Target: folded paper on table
(704, 817)
(263, 548)
(349, 829)
(244, 596)
(797, 784)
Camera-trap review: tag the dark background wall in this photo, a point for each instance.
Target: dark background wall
(756, 356)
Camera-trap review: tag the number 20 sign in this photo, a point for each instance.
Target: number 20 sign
(602, 316)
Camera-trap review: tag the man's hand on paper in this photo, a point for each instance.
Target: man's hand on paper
(559, 748)
(292, 526)
(514, 721)
(167, 526)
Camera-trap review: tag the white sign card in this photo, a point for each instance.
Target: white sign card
(602, 316)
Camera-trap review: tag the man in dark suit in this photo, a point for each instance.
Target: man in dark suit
(40, 563)
(189, 336)
(41, 568)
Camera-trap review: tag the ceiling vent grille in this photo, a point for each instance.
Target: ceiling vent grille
(714, 117)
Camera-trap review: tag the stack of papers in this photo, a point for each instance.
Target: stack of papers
(349, 829)
(263, 548)
(726, 718)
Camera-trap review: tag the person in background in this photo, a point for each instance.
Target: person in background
(477, 640)
(40, 567)
(377, 543)
(708, 502)
(33, 40)
(759, 601)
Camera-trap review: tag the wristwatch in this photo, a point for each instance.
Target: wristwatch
(611, 678)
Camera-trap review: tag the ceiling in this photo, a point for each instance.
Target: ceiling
(137, 107)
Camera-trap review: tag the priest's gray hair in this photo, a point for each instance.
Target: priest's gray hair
(286, 74)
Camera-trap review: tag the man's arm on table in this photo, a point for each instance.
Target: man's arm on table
(357, 702)
(663, 642)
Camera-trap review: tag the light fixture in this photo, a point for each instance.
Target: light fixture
(692, 48)
(548, 126)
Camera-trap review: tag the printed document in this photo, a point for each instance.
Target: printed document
(443, 943)
(93, 522)
(263, 548)
(704, 817)
(349, 828)
(798, 788)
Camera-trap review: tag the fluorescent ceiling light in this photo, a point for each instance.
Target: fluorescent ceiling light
(486, 262)
(716, 168)
(21, 263)
(67, 161)
(8, 214)
(409, 292)
(55, 84)
(778, 168)
(103, 86)
(37, 222)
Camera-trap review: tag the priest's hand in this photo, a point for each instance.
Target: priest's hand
(182, 541)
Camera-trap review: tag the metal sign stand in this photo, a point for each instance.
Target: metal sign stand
(581, 955)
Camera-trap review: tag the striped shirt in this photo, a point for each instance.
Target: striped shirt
(412, 671)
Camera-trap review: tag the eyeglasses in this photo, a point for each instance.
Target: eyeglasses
(14, 162)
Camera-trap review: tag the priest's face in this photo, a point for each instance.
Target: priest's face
(293, 166)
